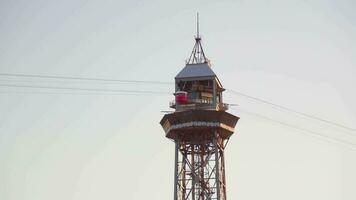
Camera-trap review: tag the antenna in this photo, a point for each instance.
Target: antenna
(197, 56)
(198, 25)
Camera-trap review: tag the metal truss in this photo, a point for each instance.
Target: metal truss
(200, 170)
(197, 56)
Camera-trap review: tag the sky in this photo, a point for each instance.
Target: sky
(80, 145)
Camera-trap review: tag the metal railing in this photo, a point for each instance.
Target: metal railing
(200, 104)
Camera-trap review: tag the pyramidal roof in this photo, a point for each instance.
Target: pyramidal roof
(196, 70)
(197, 66)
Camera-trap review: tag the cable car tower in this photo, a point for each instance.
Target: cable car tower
(200, 128)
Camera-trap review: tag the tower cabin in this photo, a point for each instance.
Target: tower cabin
(198, 87)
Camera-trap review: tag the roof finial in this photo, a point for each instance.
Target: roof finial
(198, 25)
(197, 56)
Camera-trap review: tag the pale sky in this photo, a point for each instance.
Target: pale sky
(71, 145)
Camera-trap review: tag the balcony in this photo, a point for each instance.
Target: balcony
(199, 104)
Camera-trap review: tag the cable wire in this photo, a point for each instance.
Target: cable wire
(85, 89)
(73, 93)
(301, 129)
(83, 78)
(293, 111)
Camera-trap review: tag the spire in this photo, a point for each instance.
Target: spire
(197, 56)
(198, 25)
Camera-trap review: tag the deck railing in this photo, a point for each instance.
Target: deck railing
(200, 104)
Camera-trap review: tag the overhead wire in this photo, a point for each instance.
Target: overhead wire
(73, 93)
(320, 135)
(85, 89)
(82, 78)
(50, 81)
(292, 110)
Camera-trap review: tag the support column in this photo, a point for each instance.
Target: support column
(223, 172)
(177, 144)
(193, 171)
(217, 166)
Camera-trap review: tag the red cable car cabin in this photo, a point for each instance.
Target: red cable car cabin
(181, 97)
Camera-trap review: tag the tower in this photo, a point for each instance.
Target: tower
(200, 128)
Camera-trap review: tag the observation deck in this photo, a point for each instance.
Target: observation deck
(201, 125)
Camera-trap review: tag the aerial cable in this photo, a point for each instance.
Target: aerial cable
(86, 89)
(82, 78)
(292, 110)
(73, 93)
(322, 136)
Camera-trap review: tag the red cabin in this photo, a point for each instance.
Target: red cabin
(181, 97)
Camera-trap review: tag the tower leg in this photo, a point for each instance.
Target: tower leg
(200, 170)
(176, 170)
(217, 168)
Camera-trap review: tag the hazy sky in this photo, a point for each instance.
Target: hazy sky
(63, 145)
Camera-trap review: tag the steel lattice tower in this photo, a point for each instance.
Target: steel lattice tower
(200, 128)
